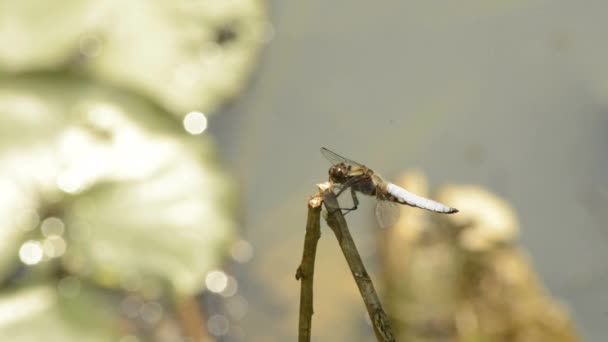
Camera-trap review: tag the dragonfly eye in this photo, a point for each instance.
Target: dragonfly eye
(338, 173)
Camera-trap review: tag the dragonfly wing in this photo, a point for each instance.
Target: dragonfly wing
(405, 197)
(387, 212)
(335, 158)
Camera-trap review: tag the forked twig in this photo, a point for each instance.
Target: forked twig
(336, 221)
(305, 272)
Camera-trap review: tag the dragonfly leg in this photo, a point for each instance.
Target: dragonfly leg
(355, 203)
(348, 185)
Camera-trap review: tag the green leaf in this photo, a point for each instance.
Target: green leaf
(185, 55)
(145, 205)
(42, 314)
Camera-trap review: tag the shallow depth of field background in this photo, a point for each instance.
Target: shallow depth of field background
(511, 96)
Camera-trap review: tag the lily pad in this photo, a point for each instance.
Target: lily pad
(42, 314)
(144, 204)
(185, 55)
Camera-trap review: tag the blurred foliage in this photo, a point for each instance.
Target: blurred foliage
(109, 209)
(462, 277)
(39, 313)
(138, 199)
(184, 55)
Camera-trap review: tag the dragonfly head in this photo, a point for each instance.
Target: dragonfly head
(338, 173)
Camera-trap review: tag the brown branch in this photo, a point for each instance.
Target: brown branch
(337, 223)
(306, 270)
(190, 318)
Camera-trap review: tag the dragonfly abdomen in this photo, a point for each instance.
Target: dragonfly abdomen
(405, 197)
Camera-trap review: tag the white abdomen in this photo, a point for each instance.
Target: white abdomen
(405, 197)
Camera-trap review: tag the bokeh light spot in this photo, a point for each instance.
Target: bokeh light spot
(131, 306)
(216, 281)
(54, 246)
(31, 252)
(151, 312)
(218, 325)
(237, 307)
(52, 226)
(241, 251)
(195, 123)
(231, 287)
(68, 182)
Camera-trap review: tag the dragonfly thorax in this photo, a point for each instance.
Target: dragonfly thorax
(339, 173)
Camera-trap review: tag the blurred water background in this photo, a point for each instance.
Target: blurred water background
(198, 189)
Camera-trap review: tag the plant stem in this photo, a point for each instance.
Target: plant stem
(191, 318)
(306, 270)
(337, 223)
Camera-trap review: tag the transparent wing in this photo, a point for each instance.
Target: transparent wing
(387, 213)
(335, 158)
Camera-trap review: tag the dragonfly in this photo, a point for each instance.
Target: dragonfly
(347, 174)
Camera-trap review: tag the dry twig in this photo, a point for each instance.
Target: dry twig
(336, 221)
(305, 272)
